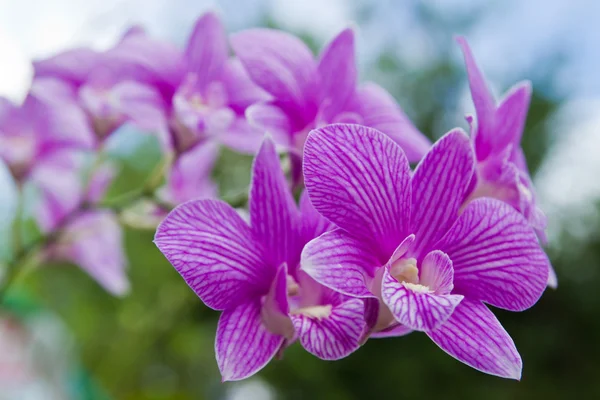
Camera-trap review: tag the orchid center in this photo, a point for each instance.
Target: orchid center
(315, 312)
(406, 272)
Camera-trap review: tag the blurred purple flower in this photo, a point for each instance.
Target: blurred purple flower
(251, 273)
(496, 135)
(45, 141)
(309, 93)
(402, 240)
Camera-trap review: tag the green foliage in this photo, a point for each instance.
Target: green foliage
(9, 200)
(136, 157)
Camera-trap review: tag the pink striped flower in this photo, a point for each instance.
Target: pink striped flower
(404, 241)
(250, 272)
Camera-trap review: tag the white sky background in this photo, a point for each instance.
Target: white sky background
(511, 39)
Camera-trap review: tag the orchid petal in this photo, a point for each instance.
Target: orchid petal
(270, 119)
(243, 344)
(215, 252)
(334, 336)
(474, 336)
(394, 331)
(206, 50)
(282, 65)
(190, 176)
(73, 66)
(94, 241)
(485, 104)
(337, 70)
(241, 91)
(439, 187)
(437, 273)
(359, 179)
(242, 137)
(510, 116)
(273, 212)
(421, 311)
(380, 110)
(341, 262)
(313, 223)
(496, 256)
(276, 306)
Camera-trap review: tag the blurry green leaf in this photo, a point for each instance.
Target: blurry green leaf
(136, 155)
(29, 230)
(9, 201)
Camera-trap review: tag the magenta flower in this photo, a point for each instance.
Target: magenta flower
(308, 93)
(496, 135)
(403, 239)
(44, 142)
(210, 102)
(251, 273)
(208, 110)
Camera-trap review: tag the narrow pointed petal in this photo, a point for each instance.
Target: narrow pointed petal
(485, 104)
(334, 336)
(421, 311)
(496, 256)
(359, 179)
(337, 70)
(380, 110)
(270, 119)
(313, 223)
(243, 344)
(439, 186)
(273, 212)
(94, 241)
(215, 252)
(475, 337)
(206, 51)
(341, 262)
(511, 116)
(395, 331)
(282, 65)
(437, 273)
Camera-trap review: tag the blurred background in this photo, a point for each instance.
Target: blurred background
(68, 339)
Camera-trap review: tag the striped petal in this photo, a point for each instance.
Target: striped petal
(474, 336)
(414, 306)
(243, 344)
(215, 252)
(439, 186)
(273, 213)
(358, 179)
(380, 110)
(393, 331)
(496, 256)
(331, 336)
(341, 262)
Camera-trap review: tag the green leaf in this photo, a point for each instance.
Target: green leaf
(9, 204)
(136, 156)
(29, 230)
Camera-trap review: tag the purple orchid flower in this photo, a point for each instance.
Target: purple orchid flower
(501, 166)
(44, 142)
(208, 110)
(250, 272)
(131, 82)
(309, 93)
(404, 240)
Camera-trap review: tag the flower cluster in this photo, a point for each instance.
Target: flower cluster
(346, 244)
